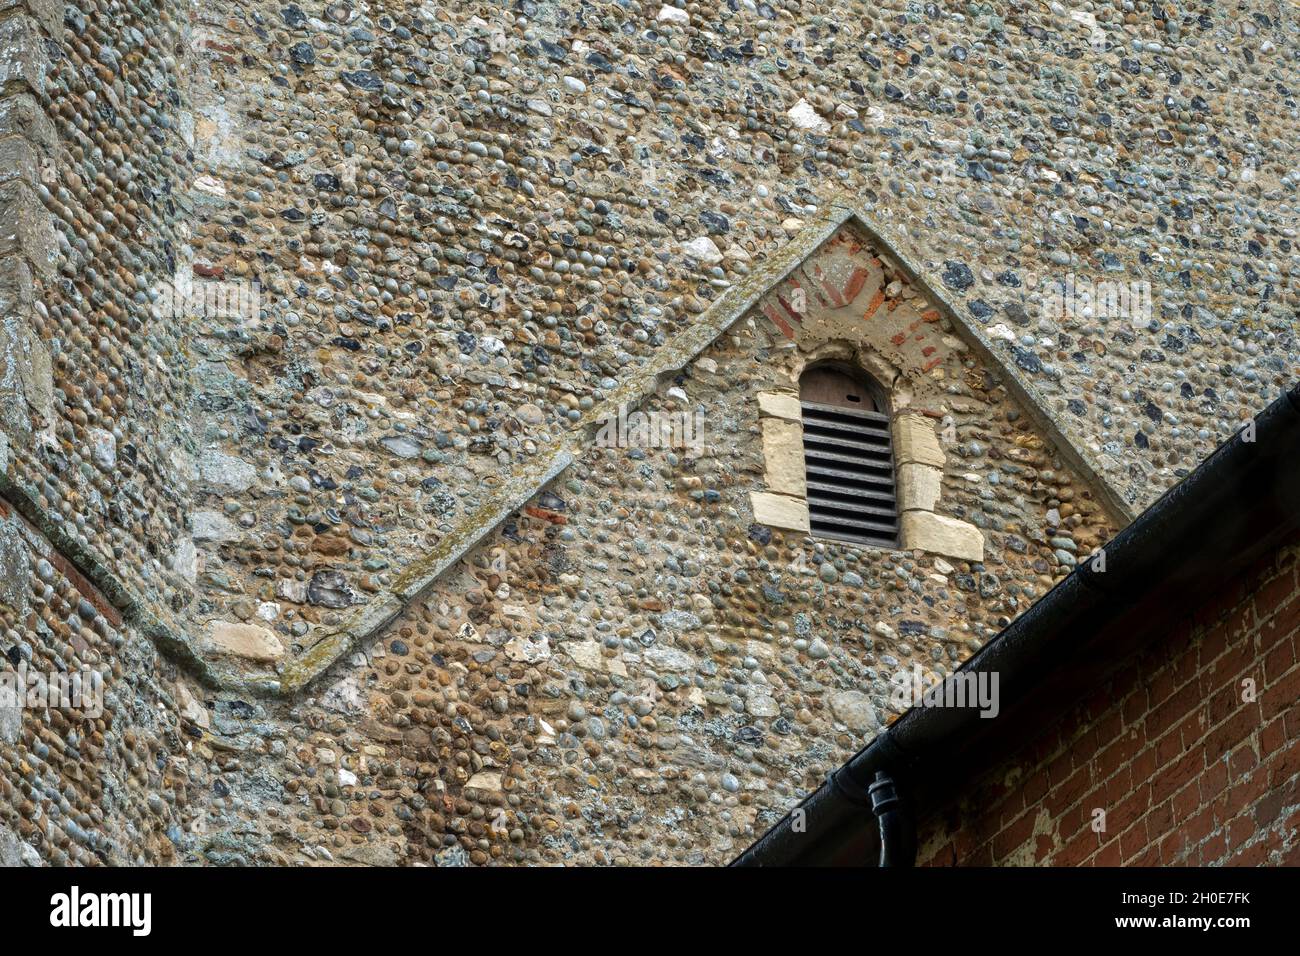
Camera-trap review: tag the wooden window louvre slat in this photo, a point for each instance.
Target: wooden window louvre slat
(846, 427)
(849, 460)
(879, 446)
(842, 509)
(883, 527)
(821, 471)
(860, 460)
(841, 411)
(834, 534)
(829, 489)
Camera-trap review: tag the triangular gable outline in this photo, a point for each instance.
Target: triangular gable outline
(418, 575)
(740, 298)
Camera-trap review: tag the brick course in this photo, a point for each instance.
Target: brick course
(1187, 770)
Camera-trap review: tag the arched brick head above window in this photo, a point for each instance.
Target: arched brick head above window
(887, 421)
(854, 438)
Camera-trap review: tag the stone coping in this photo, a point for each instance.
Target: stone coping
(368, 620)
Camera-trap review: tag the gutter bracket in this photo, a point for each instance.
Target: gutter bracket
(897, 829)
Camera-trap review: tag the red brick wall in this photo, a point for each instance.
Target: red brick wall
(1186, 770)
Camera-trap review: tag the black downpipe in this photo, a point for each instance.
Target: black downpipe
(897, 829)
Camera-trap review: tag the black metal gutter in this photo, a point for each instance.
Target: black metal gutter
(1237, 505)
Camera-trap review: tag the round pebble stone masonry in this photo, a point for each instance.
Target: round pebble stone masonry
(312, 312)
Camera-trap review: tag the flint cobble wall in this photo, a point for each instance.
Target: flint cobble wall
(470, 226)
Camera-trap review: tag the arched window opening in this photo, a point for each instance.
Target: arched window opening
(848, 456)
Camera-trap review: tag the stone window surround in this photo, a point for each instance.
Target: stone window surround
(918, 460)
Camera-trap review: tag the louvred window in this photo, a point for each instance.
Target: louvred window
(849, 457)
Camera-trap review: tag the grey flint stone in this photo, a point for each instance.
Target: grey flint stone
(14, 852)
(22, 54)
(26, 379)
(25, 227)
(22, 116)
(17, 161)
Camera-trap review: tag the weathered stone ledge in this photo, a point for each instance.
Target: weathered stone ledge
(368, 620)
(371, 618)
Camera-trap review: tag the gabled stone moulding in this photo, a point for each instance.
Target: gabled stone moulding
(221, 656)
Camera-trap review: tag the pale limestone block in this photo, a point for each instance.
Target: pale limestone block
(783, 457)
(855, 710)
(529, 648)
(586, 654)
(780, 511)
(939, 534)
(14, 852)
(26, 375)
(192, 708)
(780, 405)
(244, 640)
(489, 780)
(918, 487)
(669, 14)
(915, 441)
(213, 526)
(805, 117)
